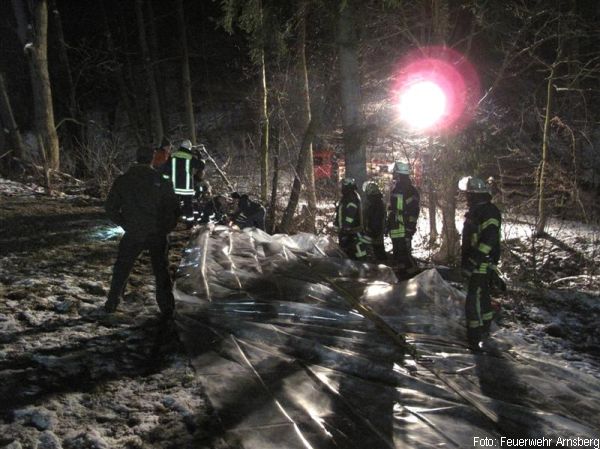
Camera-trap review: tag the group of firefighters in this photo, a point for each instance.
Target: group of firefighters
(185, 169)
(361, 233)
(149, 198)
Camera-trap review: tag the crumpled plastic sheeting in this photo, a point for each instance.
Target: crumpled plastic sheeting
(288, 362)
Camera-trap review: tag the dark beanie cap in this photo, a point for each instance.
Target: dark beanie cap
(144, 155)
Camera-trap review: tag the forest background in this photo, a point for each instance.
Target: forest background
(264, 83)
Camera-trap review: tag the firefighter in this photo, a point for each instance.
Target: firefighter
(247, 213)
(348, 220)
(480, 252)
(183, 167)
(374, 220)
(403, 214)
(143, 203)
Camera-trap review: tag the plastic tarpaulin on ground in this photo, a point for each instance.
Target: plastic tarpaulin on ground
(298, 347)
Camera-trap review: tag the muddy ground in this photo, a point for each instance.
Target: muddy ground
(70, 375)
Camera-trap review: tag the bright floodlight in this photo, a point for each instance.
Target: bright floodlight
(422, 105)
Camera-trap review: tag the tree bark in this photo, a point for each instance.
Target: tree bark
(272, 211)
(309, 169)
(10, 125)
(157, 130)
(64, 60)
(450, 246)
(158, 75)
(307, 139)
(352, 117)
(264, 141)
(542, 213)
(134, 119)
(185, 74)
(44, 112)
(431, 195)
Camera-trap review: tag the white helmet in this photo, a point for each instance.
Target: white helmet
(401, 168)
(186, 144)
(472, 184)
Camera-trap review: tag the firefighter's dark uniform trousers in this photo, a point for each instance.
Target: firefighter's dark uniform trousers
(402, 223)
(375, 223)
(144, 204)
(480, 252)
(349, 223)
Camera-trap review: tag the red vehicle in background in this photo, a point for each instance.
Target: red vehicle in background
(328, 166)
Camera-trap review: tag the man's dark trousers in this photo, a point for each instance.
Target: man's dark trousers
(130, 248)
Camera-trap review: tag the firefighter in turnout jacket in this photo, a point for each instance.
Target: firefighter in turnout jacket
(143, 203)
(348, 220)
(480, 253)
(403, 214)
(374, 220)
(182, 167)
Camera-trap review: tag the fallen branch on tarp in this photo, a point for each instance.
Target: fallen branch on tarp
(221, 173)
(398, 338)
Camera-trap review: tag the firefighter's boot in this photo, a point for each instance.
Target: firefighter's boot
(474, 337)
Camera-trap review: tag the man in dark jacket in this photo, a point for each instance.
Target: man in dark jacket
(374, 220)
(143, 203)
(348, 220)
(480, 253)
(402, 219)
(247, 213)
(184, 168)
(161, 155)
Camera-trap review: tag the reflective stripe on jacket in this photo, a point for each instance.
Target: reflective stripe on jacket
(182, 166)
(404, 210)
(481, 237)
(349, 214)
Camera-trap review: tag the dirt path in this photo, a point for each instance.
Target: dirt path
(70, 376)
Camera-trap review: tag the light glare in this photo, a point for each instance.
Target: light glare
(422, 105)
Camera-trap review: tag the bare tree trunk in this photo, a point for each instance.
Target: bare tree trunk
(432, 205)
(63, 57)
(157, 130)
(309, 169)
(450, 247)
(271, 212)
(431, 195)
(43, 100)
(73, 130)
(542, 213)
(185, 73)
(264, 142)
(45, 165)
(64, 60)
(307, 139)
(158, 75)
(132, 114)
(352, 118)
(37, 52)
(10, 125)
